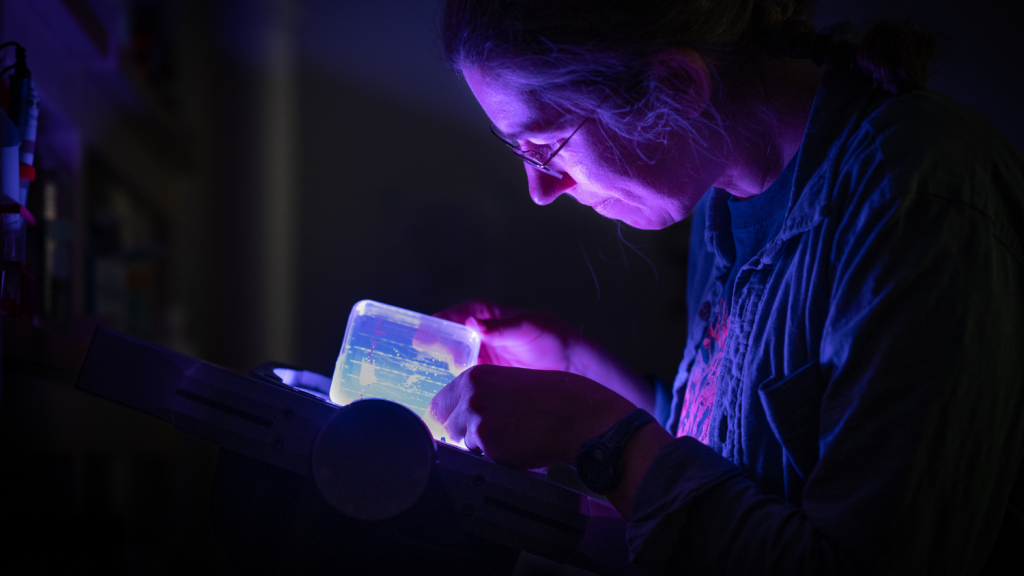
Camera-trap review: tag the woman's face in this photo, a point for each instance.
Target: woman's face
(615, 180)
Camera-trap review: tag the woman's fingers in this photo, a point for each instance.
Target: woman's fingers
(517, 338)
(475, 309)
(525, 418)
(514, 331)
(444, 402)
(448, 415)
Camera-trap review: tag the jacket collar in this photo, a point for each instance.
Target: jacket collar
(841, 99)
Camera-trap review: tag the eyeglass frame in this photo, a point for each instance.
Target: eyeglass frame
(522, 154)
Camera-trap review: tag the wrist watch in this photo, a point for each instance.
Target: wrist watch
(599, 461)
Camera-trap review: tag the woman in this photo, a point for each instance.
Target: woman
(850, 397)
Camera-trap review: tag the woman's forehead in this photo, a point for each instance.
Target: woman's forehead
(512, 111)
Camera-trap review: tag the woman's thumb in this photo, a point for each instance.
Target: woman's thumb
(498, 331)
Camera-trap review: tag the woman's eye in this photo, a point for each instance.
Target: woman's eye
(536, 147)
(540, 146)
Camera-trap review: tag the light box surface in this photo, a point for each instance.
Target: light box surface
(400, 355)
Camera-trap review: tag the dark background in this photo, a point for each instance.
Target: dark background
(310, 154)
(400, 194)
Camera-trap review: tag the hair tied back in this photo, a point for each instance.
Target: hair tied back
(895, 55)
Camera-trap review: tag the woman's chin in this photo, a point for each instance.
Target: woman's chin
(633, 216)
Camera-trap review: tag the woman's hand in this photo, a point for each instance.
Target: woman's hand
(524, 339)
(529, 419)
(525, 418)
(517, 338)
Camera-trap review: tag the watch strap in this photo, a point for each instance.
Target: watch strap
(599, 461)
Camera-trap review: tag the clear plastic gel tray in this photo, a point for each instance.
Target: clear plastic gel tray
(400, 355)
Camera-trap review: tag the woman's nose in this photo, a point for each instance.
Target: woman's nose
(544, 188)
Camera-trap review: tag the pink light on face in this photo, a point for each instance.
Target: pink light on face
(616, 181)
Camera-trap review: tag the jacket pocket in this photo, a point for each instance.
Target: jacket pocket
(792, 405)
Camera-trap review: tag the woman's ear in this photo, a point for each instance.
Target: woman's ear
(683, 72)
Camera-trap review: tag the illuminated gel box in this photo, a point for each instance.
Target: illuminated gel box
(400, 355)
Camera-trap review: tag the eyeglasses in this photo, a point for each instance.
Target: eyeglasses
(533, 157)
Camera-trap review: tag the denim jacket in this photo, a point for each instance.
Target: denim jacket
(869, 415)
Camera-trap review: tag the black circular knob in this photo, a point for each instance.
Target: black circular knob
(373, 459)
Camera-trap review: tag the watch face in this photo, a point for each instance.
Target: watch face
(595, 469)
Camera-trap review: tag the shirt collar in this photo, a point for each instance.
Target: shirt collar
(842, 97)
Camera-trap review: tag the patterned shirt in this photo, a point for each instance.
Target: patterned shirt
(699, 399)
(868, 398)
(753, 223)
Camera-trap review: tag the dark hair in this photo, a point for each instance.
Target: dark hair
(896, 55)
(607, 55)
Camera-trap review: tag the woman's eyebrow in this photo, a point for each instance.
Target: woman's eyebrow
(532, 127)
